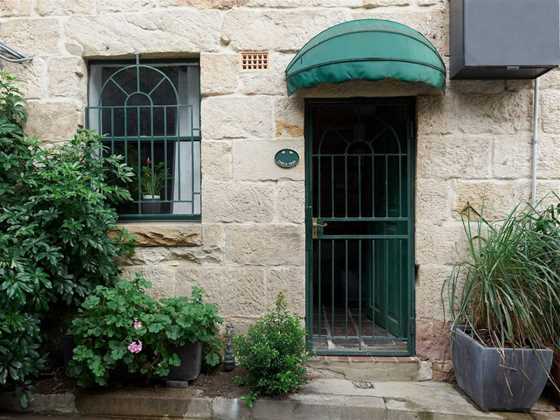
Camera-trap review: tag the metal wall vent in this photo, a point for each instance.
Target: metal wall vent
(254, 60)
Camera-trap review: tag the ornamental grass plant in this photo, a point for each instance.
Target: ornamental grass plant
(507, 292)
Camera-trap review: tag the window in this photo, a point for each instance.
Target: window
(150, 114)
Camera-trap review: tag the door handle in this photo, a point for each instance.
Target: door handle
(315, 226)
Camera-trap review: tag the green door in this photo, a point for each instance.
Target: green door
(359, 213)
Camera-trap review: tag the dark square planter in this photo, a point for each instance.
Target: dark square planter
(555, 375)
(191, 361)
(499, 380)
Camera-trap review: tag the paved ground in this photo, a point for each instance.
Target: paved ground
(321, 399)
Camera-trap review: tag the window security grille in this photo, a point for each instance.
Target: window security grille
(253, 60)
(150, 114)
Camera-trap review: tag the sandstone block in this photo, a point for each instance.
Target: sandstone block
(291, 282)
(425, 3)
(67, 77)
(212, 4)
(429, 283)
(162, 279)
(549, 156)
(266, 245)
(432, 339)
(473, 87)
(236, 291)
(166, 234)
(214, 238)
(289, 117)
(231, 117)
(32, 36)
(10, 8)
(64, 7)
(146, 256)
(455, 156)
(184, 30)
(266, 82)
(285, 4)
(495, 114)
(433, 115)
(111, 6)
(219, 73)
(278, 29)
(370, 4)
(53, 122)
(550, 111)
(433, 204)
(290, 205)
(547, 192)
(228, 202)
(551, 80)
(512, 156)
(254, 160)
(495, 198)
(31, 77)
(216, 160)
(440, 245)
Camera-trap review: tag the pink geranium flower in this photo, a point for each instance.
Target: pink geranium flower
(135, 346)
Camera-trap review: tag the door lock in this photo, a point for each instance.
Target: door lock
(315, 226)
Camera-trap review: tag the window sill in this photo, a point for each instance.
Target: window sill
(177, 233)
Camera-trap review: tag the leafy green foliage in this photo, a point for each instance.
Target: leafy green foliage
(507, 293)
(114, 321)
(273, 354)
(56, 212)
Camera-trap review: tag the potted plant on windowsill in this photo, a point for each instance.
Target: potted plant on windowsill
(153, 180)
(502, 302)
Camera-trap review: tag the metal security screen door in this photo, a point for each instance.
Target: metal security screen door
(359, 194)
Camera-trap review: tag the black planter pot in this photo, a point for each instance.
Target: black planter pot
(191, 361)
(499, 380)
(151, 204)
(67, 349)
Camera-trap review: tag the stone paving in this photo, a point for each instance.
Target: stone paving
(335, 399)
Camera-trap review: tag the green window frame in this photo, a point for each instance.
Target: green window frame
(149, 113)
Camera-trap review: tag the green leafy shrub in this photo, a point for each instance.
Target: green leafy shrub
(273, 354)
(56, 210)
(122, 329)
(20, 358)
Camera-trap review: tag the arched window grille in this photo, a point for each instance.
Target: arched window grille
(150, 114)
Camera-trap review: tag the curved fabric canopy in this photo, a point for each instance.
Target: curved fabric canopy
(366, 49)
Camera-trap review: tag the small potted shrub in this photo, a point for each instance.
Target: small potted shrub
(502, 302)
(273, 354)
(123, 333)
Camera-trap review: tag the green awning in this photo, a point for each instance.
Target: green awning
(366, 49)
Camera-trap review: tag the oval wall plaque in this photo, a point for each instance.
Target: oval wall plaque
(286, 158)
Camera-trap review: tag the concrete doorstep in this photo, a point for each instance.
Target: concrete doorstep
(326, 399)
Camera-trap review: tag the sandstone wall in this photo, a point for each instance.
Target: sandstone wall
(473, 142)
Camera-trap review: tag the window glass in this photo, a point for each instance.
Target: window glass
(150, 114)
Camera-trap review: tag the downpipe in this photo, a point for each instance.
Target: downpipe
(535, 144)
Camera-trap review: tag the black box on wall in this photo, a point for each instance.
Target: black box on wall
(503, 39)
